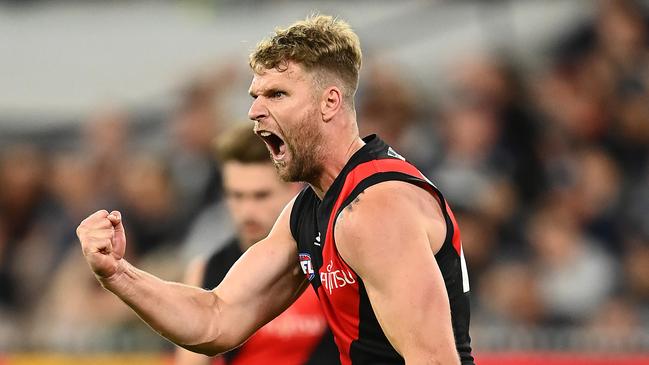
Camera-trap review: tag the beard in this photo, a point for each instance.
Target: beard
(304, 144)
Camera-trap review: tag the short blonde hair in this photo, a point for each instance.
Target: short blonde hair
(318, 43)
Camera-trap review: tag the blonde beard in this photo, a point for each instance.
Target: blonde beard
(305, 165)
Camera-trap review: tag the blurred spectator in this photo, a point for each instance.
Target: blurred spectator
(617, 315)
(512, 297)
(393, 109)
(75, 307)
(597, 193)
(616, 324)
(634, 213)
(473, 171)
(105, 143)
(150, 204)
(24, 205)
(195, 123)
(575, 276)
(470, 164)
(599, 86)
(490, 86)
(636, 278)
(198, 121)
(480, 244)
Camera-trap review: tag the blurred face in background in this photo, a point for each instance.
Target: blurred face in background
(106, 133)
(147, 188)
(196, 123)
(255, 196)
(195, 127)
(71, 182)
(22, 176)
(621, 29)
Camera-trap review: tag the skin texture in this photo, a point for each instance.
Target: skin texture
(405, 287)
(193, 277)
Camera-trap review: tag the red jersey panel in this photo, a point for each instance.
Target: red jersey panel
(289, 339)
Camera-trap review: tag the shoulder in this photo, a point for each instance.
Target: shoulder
(387, 218)
(397, 202)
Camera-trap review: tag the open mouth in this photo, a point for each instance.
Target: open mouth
(275, 144)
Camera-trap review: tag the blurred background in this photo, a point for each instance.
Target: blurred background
(531, 116)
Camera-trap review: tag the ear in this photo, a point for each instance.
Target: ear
(332, 101)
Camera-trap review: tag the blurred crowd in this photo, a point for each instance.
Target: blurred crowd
(547, 171)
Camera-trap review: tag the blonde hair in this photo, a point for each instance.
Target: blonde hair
(318, 43)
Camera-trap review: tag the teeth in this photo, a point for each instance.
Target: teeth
(265, 134)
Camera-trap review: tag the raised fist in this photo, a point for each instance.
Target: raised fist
(103, 242)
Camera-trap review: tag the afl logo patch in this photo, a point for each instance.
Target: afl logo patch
(307, 266)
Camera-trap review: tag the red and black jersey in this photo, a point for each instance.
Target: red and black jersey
(340, 290)
(298, 336)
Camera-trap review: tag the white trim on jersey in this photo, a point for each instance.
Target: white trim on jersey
(465, 272)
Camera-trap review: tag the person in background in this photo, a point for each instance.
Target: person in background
(255, 196)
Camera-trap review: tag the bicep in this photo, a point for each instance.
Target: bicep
(261, 284)
(395, 259)
(409, 299)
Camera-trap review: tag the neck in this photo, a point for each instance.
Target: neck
(336, 161)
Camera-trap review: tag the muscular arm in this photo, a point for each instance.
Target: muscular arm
(194, 277)
(264, 282)
(389, 236)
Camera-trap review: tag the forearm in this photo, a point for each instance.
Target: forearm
(187, 316)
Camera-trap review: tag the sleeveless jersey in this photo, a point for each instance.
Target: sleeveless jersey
(340, 290)
(298, 336)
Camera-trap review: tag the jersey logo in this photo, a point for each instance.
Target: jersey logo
(317, 240)
(393, 153)
(307, 266)
(335, 278)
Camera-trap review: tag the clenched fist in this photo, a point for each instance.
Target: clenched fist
(103, 242)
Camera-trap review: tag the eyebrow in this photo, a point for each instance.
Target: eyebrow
(269, 91)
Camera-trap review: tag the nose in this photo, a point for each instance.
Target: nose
(257, 110)
(248, 209)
